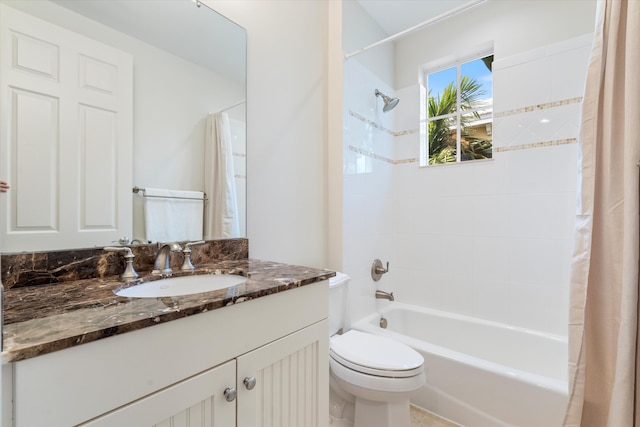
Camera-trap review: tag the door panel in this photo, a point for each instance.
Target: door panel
(291, 388)
(65, 137)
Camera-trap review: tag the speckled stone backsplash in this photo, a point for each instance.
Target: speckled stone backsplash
(41, 268)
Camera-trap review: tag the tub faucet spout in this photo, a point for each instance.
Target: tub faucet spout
(384, 295)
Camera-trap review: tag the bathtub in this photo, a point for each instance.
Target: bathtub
(481, 373)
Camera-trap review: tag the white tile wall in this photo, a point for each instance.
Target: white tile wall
(490, 239)
(406, 114)
(368, 188)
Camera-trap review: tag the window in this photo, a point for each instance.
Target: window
(457, 109)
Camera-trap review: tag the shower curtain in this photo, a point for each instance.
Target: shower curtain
(603, 324)
(221, 210)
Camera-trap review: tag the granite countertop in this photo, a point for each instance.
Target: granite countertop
(46, 318)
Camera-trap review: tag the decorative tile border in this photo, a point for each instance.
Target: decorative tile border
(544, 106)
(404, 161)
(536, 145)
(406, 132)
(527, 109)
(370, 154)
(380, 127)
(370, 122)
(381, 158)
(540, 144)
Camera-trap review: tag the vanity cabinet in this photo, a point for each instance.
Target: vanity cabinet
(176, 373)
(278, 382)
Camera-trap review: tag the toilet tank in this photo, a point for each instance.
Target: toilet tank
(338, 301)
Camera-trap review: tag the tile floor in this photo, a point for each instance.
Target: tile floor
(419, 418)
(422, 418)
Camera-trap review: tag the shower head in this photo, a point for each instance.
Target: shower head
(389, 103)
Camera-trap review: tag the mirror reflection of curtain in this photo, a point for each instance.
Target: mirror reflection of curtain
(221, 211)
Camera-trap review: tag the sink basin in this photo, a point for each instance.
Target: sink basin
(184, 285)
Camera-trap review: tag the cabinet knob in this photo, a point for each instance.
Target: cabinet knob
(249, 383)
(230, 394)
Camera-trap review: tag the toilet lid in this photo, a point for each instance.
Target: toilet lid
(375, 355)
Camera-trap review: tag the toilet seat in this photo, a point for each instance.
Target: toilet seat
(375, 355)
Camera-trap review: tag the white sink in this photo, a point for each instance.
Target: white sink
(184, 285)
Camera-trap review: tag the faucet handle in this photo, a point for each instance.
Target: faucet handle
(377, 270)
(186, 264)
(382, 270)
(129, 272)
(189, 244)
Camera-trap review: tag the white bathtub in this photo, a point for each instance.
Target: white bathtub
(480, 373)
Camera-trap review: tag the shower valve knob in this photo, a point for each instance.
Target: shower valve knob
(382, 270)
(377, 270)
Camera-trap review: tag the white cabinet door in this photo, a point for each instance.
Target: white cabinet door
(198, 401)
(291, 381)
(65, 137)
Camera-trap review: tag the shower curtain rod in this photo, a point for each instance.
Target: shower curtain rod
(233, 106)
(452, 12)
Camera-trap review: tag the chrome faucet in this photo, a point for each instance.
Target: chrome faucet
(161, 266)
(384, 295)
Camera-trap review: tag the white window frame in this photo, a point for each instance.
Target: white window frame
(433, 68)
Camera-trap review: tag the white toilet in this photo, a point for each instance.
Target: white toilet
(372, 377)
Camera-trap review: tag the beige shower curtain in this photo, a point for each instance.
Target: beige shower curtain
(603, 325)
(221, 209)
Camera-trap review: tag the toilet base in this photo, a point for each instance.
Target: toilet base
(382, 414)
(367, 413)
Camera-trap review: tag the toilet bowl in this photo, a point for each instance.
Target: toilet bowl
(374, 374)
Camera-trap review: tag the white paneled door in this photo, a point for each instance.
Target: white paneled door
(66, 137)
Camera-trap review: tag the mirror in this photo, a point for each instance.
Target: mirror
(188, 61)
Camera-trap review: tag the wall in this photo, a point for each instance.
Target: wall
(358, 31)
(368, 231)
(491, 239)
(514, 26)
(286, 135)
(369, 227)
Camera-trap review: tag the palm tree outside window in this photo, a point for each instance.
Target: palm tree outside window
(457, 113)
